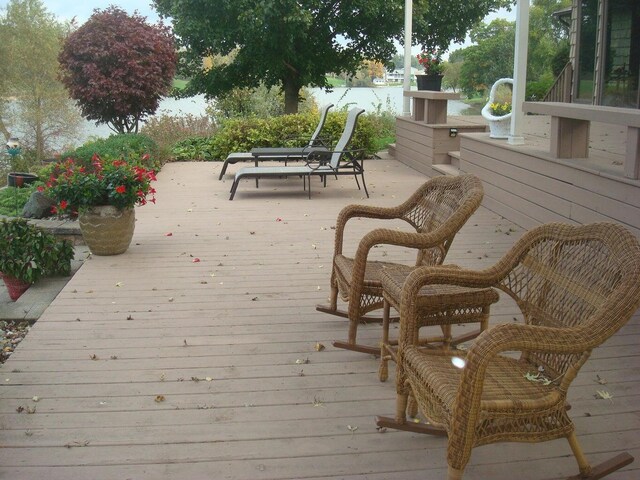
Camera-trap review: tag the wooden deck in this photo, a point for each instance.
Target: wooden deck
(153, 365)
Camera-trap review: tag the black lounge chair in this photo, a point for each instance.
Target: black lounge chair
(280, 153)
(339, 161)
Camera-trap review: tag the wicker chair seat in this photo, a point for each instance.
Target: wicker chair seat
(505, 388)
(372, 284)
(440, 298)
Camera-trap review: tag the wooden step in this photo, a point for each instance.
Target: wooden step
(446, 169)
(392, 149)
(454, 158)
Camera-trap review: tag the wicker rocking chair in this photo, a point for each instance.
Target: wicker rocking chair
(437, 211)
(575, 286)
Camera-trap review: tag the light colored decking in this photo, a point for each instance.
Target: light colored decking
(152, 322)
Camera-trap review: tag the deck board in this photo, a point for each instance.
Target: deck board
(244, 317)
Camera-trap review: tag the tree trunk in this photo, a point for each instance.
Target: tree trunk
(291, 91)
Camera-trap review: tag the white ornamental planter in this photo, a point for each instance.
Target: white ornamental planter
(499, 127)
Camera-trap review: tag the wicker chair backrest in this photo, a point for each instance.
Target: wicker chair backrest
(445, 204)
(586, 278)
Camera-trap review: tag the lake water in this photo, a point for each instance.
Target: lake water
(384, 98)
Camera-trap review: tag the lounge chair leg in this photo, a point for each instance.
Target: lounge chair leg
(234, 188)
(224, 169)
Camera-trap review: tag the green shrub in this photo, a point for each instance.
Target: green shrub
(12, 199)
(536, 91)
(127, 146)
(29, 253)
(241, 135)
(167, 130)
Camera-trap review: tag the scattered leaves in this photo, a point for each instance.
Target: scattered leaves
(352, 428)
(76, 443)
(317, 402)
(301, 361)
(537, 378)
(129, 317)
(159, 398)
(601, 380)
(319, 347)
(93, 356)
(603, 395)
(195, 260)
(119, 284)
(184, 343)
(169, 234)
(35, 398)
(113, 357)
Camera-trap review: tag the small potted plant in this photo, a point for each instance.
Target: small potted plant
(28, 253)
(102, 195)
(431, 62)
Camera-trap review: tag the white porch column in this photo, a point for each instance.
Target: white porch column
(408, 28)
(519, 72)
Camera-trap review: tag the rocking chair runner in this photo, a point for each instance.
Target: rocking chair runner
(576, 287)
(437, 210)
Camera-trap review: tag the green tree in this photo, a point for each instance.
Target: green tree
(42, 112)
(492, 55)
(294, 43)
(451, 77)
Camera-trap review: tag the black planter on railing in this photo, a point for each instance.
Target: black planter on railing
(20, 179)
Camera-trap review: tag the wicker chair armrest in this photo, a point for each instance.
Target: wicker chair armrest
(361, 211)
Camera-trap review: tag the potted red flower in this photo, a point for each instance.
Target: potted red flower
(431, 62)
(103, 195)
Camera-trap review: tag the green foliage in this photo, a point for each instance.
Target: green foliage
(536, 91)
(29, 253)
(243, 134)
(167, 130)
(32, 99)
(126, 146)
(312, 38)
(117, 67)
(12, 199)
(560, 58)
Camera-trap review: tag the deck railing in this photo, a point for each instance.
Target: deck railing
(560, 91)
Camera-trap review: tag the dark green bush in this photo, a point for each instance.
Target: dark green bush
(241, 135)
(127, 146)
(536, 91)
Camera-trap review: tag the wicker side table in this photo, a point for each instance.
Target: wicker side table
(438, 305)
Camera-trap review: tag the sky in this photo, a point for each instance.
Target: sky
(82, 10)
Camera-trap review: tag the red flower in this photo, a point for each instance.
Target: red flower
(121, 189)
(63, 204)
(54, 210)
(41, 188)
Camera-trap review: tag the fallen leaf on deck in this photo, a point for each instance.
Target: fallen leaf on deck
(35, 398)
(168, 234)
(159, 398)
(352, 429)
(114, 357)
(603, 395)
(302, 361)
(93, 357)
(319, 347)
(195, 260)
(317, 402)
(208, 379)
(77, 444)
(119, 284)
(601, 380)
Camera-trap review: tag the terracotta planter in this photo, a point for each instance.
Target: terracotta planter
(15, 287)
(429, 82)
(107, 230)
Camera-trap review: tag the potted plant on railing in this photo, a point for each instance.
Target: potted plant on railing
(431, 62)
(103, 196)
(28, 253)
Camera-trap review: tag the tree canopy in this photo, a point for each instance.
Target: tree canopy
(33, 103)
(117, 67)
(295, 43)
